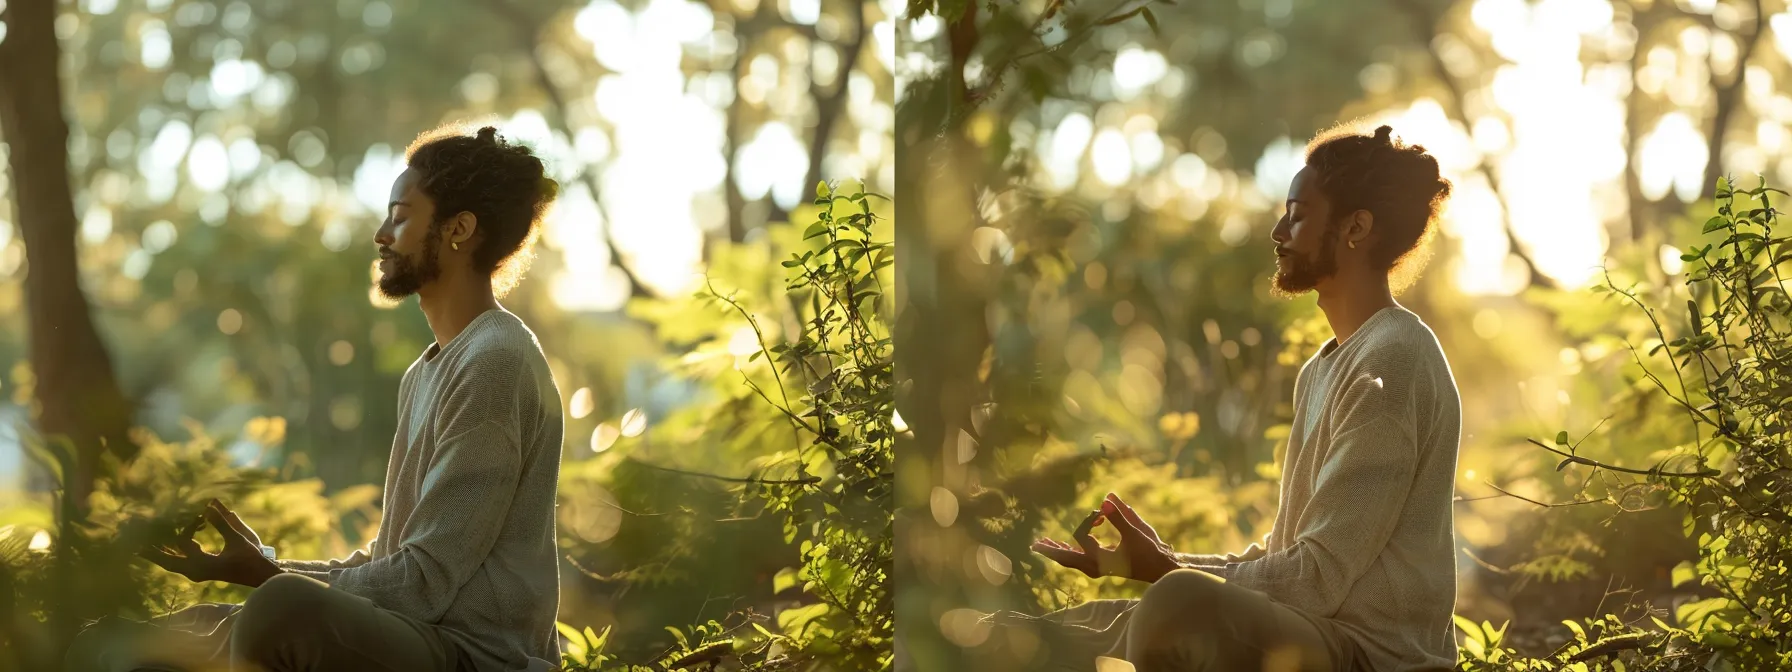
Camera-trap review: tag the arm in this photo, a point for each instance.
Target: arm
(1360, 492)
(1219, 565)
(320, 569)
(466, 496)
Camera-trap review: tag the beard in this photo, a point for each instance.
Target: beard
(409, 273)
(1300, 273)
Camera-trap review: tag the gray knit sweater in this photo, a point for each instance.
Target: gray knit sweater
(1365, 532)
(466, 538)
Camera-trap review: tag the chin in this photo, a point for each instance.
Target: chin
(1286, 286)
(392, 291)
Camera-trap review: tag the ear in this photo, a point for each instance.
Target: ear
(462, 229)
(1362, 222)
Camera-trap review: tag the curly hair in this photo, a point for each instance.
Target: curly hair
(502, 183)
(1397, 183)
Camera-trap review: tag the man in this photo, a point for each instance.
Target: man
(463, 575)
(1358, 572)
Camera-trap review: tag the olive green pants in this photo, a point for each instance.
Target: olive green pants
(292, 623)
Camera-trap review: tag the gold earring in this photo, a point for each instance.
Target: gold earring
(1352, 244)
(457, 245)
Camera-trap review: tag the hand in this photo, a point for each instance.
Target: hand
(1150, 558)
(1090, 559)
(1140, 555)
(241, 561)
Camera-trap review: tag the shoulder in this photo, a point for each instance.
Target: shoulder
(1402, 337)
(1403, 353)
(503, 347)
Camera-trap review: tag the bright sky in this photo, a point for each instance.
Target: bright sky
(1553, 135)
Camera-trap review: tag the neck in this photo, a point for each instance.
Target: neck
(1352, 296)
(453, 301)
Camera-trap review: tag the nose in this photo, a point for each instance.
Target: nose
(383, 237)
(1280, 233)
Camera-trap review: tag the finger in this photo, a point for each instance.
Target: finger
(1130, 533)
(1132, 516)
(232, 537)
(1048, 541)
(237, 522)
(1070, 558)
(1082, 536)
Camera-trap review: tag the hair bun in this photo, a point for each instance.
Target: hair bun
(488, 134)
(1385, 133)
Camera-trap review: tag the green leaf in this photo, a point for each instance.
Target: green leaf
(1714, 224)
(1151, 20)
(1684, 573)
(785, 578)
(1562, 438)
(821, 189)
(793, 620)
(1579, 634)
(815, 229)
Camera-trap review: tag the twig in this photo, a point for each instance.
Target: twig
(1703, 473)
(1542, 504)
(1614, 644)
(808, 480)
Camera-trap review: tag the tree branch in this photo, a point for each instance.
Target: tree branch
(1703, 473)
(1508, 493)
(829, 106)
(1425, 28)
(807, 480)
(527, 30)
(1727, 96)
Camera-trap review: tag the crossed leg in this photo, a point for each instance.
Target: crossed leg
(1190, 620)
(291, 623)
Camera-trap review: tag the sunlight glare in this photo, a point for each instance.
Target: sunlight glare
(1065, 155)
(1672, 156)
(1112, 158)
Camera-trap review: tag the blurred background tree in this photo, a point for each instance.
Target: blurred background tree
(226, 166)
(1088, 189)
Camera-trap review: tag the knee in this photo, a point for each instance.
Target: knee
(1183, 600)
(88, 649)
(276, 609)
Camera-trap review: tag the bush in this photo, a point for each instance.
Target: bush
(1728, 373)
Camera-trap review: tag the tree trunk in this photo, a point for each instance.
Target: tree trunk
(78, 396)
(1728, 95)
(828, 107)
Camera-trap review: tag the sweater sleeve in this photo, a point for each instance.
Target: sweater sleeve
(320, 569)
(465, 497)
(1220, 564)
(1360, 491)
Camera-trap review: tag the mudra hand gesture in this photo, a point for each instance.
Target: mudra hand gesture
(1140, 555)
(239, 562)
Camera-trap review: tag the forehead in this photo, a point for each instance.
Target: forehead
(1305, 188)
(404, 187)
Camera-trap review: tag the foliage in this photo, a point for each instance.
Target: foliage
(56, 568)
(831, 495)
(1730, 482)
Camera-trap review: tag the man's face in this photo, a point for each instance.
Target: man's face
(1306, 241)
(409, 241)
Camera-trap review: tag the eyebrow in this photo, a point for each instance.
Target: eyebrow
(393, 204)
